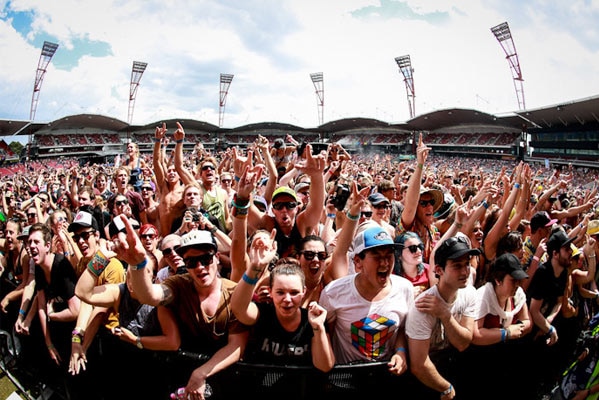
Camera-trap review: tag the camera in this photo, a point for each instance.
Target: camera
(340, 196)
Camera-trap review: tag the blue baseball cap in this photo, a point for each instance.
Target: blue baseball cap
(372, 238)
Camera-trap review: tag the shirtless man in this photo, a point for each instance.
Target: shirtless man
(170, 187)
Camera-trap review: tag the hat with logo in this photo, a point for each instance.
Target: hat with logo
(284, 190)
(453, 248)
(371, 238)
(541, 219)
(197, 239)
(593, 228)
(83, 219)
(378, 198)
(509, 263)
(557, 240)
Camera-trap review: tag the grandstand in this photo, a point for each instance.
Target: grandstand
(564, 133)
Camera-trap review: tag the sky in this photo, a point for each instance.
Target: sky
(272, 46)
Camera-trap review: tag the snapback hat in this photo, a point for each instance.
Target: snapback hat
(453, 248)
(371, 238)
(197, 239)
(541, 219)
(83, 219)
(284, 190)
(509, 263)
(378, 198)
(24, 233)
(300, 186)
(557, 240)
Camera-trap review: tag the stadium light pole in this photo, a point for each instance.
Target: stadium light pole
(48, 50)
(504, 37)
(405, 67)
(318, 81)
(225, 82)
(136, 73)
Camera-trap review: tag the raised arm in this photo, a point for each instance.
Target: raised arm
(413, 192)
(185, 174)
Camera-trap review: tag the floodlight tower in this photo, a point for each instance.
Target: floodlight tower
(504, 36)
(225, 82)
(318, 81)
(48, 51)
(405, 67)
(136, 73)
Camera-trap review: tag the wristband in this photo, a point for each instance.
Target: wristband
(75, 339)
(141, 265)
(213, 230)
(156, 140)
(22, 312)
(249, 280)
(239, 212)
(97, 264)
(240, 207)
(484, 204)
(447, 391)
(352, 217)
(331, 215)
(237, 179)
(503, 334)
(516, 185)
(400, 349)
(537, 259)
(420, 165)
(179, 141)
(551, 330)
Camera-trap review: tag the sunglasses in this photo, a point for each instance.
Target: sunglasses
(43, 198)
(225, 180)
(148, 236)
(309, 255)
(424, 203)
(119, 203)
(207, 167)
(366, 214)
(83, 235)
(146, 188)
(31, 215)
(414, 248)
(381, 206)
(290, 205)
(170, 250)
(204, 259)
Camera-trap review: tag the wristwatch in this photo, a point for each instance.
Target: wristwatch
(138, 342)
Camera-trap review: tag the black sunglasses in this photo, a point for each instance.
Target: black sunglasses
(207, 167)
(381, 206)
(366, 214)
(290, 205)
(309, 255)
(204, 259)
(148, 236)
(169, 250)
(31, 215)
(415, 247)
(121, 202)
(424, 203)
(83, 235)
(146, 188)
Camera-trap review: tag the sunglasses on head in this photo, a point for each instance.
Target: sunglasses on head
(366, 214)
(169, 250)
(207, 167)
(309, 255)
(415, 247)
(205, 260)
(148, 236)
(290, 205)
(83, 235)
(119, 203)
(424, 203)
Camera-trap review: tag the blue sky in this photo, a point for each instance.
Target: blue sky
(272, 46)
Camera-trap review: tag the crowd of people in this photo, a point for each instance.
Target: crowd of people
(164, 272)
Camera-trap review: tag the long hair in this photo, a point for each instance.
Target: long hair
(401, 240)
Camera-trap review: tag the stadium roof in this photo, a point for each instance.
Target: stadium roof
(559, 115)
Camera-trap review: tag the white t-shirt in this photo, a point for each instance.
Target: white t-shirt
(162, 274)
(487, 301)
(365, 330)
(422, 326)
